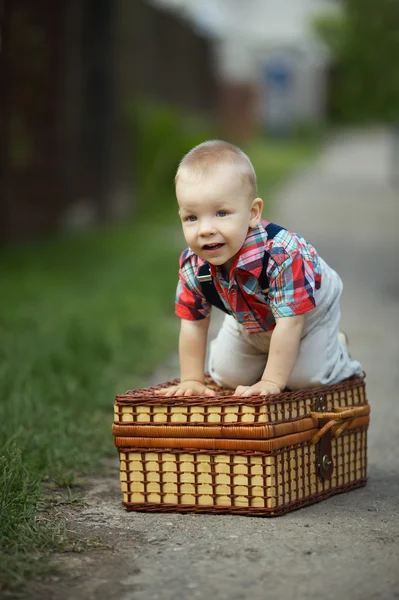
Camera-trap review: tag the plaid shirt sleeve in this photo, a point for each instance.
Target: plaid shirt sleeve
(191, 304)
(294, 277)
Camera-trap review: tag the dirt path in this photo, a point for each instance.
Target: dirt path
(100, 570)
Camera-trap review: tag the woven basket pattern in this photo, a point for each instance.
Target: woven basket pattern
(229, 481)
(143, 407)
(237, 472)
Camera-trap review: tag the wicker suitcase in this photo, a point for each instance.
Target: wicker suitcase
(224, 454)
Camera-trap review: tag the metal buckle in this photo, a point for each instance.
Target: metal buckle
(324, 462)
(202, 278)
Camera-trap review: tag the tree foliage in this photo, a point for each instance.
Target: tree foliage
(364, 41)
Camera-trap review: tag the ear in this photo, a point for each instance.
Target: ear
(256, 212)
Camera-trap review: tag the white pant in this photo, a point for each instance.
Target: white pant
(238, 358)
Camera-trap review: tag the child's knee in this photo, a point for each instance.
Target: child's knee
(224, 376)
(301, 383)
(221, 375)
(301, 379)
(229, 366)
(219, 379)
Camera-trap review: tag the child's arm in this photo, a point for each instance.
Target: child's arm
(192, 351)
(283, 352)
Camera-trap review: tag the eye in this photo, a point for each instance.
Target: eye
(222, 213)
(191, 218)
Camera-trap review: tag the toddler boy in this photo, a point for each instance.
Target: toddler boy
(282, 299)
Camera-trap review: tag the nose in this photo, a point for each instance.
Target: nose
(207, 227)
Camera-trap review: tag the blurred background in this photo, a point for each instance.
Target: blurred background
(99, 100)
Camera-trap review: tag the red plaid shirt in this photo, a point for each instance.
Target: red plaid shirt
(293, 270)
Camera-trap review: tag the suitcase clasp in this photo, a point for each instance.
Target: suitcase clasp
(324, 462)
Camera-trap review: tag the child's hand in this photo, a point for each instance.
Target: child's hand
(187, 388)
(262, 388)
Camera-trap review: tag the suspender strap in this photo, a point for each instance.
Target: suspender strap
(208, 287)
(206, 281)
(272, 230)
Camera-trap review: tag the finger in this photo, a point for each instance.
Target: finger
(179, 391)
(252, 392)
(264, 392)
(189, 392)
(165, 391)
(240, 390)
(171, 391)
(209, 392)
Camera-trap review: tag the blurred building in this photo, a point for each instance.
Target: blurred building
(272, 71)
(68, 70)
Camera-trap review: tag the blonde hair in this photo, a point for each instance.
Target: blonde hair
(205, 158)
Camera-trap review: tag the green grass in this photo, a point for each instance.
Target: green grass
(81, 319)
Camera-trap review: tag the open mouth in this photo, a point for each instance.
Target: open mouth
(211, 247)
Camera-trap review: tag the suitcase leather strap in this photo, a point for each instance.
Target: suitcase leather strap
(340, 418)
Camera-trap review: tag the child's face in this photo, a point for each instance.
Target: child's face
(216, 214)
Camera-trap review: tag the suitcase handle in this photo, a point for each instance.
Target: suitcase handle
(341, 416)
